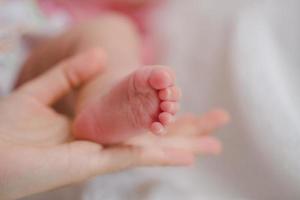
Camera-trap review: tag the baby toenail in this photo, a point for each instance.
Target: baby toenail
(161, 131)
(157, 128)
(168, 94)
(172, 119)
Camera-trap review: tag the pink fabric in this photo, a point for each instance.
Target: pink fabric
(79, 10)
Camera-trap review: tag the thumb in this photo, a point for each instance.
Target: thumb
(65, 76)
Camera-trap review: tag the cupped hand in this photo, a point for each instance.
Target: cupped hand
(38, 153)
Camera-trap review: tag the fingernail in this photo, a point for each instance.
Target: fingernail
(209, 145)
(180, 157)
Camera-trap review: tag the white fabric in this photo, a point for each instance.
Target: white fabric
(19, 18)
(241, 55)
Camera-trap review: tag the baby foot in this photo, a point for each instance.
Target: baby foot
(147, 99)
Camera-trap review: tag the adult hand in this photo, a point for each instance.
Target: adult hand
(38, 153)
(189, 134)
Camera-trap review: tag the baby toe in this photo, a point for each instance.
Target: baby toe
(161, 78)
(170, 107)
(157, 128)
(170, 94)
(165, 118)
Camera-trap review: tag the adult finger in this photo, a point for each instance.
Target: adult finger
(90, 160)
(49, 168)
(196, 144)
(212, 121)
(192, 125)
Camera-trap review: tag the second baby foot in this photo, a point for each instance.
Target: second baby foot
(147, 99)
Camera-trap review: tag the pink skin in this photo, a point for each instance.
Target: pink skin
(147, 99)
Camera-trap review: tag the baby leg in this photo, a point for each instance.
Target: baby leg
(125, 100)
(110, 91)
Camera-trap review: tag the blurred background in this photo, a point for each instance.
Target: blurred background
(241, 55)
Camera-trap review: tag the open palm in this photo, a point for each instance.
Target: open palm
(38, 153)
